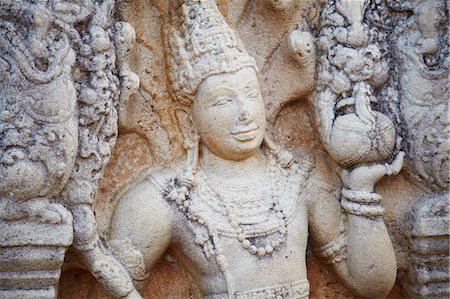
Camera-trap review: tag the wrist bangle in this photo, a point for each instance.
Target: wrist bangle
(388, 169)
(361, 196)
(362, 209)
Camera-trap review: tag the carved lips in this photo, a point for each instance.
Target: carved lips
(245, 133)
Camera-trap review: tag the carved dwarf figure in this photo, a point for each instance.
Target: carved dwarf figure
(239, 212)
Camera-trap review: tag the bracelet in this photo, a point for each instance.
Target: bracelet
(361, 196)
(362, 209)
(334, 251)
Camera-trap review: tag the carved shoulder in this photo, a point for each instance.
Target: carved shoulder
(323, 178)
(143, 217)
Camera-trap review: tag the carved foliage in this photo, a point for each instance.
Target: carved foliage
(38, 143)
(421, 48)
(59, 89)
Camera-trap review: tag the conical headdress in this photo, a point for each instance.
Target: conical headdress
(201, 44)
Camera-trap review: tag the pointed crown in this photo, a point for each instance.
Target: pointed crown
(201, 44)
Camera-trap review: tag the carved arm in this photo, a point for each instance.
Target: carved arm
(140, 231)
(351, 237)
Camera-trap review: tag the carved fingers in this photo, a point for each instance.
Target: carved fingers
(363, 109)
(364, 177)
(112, 275)
(397, 164)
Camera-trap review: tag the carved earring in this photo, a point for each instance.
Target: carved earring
(191, 140)
(192, 154)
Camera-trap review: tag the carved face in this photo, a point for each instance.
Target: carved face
(229, 114)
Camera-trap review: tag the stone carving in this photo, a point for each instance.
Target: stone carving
(423, 57)
(240, 206)
(223, 85)
(352, 69)
(60, 88)
(288, 51)
(38, 146)
(429, 237)
(99, 91)
(421, 48)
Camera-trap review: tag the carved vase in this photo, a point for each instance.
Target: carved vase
(354, 141)
(32, 254)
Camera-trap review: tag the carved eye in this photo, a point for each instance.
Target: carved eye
(222, 101)
(253, 94)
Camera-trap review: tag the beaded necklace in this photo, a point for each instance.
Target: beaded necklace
(178, 190)
(229, 212)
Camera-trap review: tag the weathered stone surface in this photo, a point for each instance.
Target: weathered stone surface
(63, 71)
(165, 186)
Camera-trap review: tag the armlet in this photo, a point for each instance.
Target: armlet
(334, 251)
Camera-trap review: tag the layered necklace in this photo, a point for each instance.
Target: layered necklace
(200, 203)
(227, 208)
(192, 194)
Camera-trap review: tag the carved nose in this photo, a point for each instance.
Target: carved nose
(243, 115)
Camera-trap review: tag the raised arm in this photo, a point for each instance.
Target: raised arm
(140, 230)
(348, 230)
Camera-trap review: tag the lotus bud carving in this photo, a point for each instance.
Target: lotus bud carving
(363, 136)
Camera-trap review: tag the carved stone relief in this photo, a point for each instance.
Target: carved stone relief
(241, 149)
(60, 88)
(422, 52)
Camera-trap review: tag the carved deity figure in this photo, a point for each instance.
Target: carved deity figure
(239, 212)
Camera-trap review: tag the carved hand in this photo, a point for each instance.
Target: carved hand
(363, 178)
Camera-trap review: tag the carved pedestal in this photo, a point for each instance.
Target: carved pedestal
(31, 256)
(429, 244)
